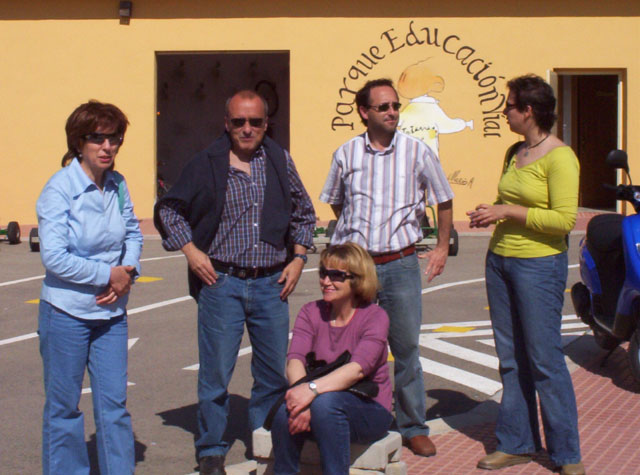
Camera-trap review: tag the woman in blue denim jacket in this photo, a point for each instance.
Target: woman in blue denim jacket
(90, 244)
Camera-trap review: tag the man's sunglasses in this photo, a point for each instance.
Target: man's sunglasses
(334, 275)
(386, 106)
(238, 122)
(98, 139)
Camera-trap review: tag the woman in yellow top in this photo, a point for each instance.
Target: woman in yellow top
(526, 275)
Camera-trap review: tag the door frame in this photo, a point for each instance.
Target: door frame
(621, 135)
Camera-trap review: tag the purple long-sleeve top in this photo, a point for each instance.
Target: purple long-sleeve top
(365, 336)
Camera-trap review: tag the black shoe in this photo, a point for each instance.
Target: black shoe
(212, 465)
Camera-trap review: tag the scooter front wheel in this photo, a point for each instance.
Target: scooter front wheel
(634, 354)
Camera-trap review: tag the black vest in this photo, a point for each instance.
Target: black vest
(202, 188)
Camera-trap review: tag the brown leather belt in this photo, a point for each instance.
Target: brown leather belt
(393, 256)
(245, 272)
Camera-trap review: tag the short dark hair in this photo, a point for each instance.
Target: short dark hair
(364, 94)
(88, 118)
(532, 90)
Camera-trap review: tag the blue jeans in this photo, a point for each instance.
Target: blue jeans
(223, 310)
(525, 301)
(337, 418)
(400, 296)
(68, 345)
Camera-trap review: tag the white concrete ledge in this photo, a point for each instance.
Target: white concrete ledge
(382, 456)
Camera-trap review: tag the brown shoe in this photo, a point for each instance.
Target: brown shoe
(573, 469)
(498, 460)
(421, 445)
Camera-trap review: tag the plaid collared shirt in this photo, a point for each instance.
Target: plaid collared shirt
(237, 240)
(382, 193)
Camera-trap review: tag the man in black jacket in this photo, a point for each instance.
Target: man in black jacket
(235, 208)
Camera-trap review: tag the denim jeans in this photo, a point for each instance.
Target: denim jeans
(68, 345)
(223, 310)
(337, 418)
(525, 301)
(400, 296)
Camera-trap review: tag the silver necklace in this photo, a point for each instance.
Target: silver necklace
(529, 147)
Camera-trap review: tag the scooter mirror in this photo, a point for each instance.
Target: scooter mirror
(618, 159)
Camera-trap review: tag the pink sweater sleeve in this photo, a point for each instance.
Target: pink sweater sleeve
(371, 350)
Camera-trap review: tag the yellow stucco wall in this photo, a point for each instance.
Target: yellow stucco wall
(54, 59)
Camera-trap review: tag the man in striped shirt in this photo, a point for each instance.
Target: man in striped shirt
(377, 186)
(232, 212)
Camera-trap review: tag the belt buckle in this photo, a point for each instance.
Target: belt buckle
(242, 273)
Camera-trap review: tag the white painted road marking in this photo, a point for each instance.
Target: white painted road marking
(460, 376)
(133, 311)
(433, 342)
(18, 338)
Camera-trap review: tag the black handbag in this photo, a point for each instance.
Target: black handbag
(318, 368)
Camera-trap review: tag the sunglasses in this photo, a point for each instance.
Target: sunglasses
(98, 139)
(386, 106)
(509, 107)
(238, 122)
(334, 275)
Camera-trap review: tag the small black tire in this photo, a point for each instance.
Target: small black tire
(455, 245)
(34, 240)
(604, 340)
(331, 227)
(634, 354)
(13, 232)
(582, 303)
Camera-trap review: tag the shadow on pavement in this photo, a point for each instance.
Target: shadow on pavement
(92, 449)
(616, 367)
(186, 418)
(449, 403)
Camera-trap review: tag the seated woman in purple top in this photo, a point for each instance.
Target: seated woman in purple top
(345, 319)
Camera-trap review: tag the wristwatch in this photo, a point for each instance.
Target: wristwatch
(314, 387)
(301, 256)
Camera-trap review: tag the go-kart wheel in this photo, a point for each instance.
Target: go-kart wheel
(13, 232)
(34, 240)
(453, 247)
(634, 354)
(604, 340)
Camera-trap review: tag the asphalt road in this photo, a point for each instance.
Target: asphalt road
(457, 355)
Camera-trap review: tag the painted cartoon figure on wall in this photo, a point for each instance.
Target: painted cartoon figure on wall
(423, 117)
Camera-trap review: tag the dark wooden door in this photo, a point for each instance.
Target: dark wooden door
(191, 92)
(597, 127)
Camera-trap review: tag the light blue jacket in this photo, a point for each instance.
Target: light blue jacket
(84, 232)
